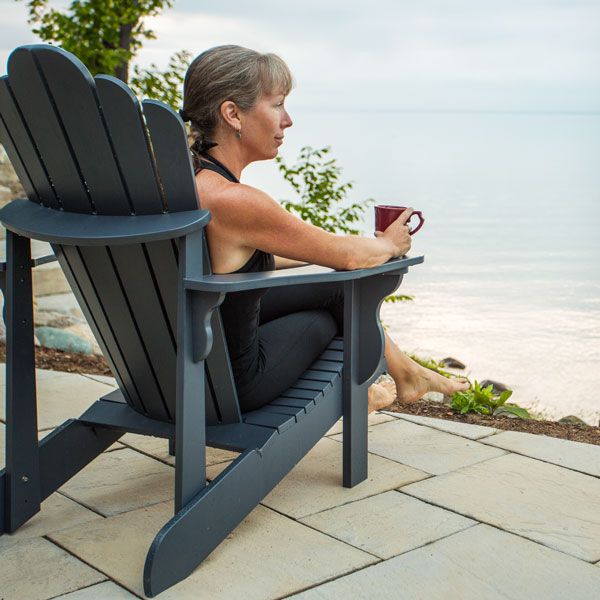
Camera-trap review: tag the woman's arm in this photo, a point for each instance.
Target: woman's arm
(258, 221)
(288, 263)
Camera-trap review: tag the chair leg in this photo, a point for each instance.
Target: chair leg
(363, 363)
(22, 473)
(201, 525)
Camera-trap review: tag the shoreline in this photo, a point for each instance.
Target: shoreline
(57, 360)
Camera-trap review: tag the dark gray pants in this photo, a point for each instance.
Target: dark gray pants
(296, 325)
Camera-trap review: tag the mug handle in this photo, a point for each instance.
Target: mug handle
(421, 221)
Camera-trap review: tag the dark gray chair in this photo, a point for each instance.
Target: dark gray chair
(110, 185)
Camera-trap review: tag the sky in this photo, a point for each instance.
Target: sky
(393, 55)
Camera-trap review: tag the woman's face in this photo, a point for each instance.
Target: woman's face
(263, 126)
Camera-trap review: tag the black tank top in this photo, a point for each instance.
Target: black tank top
(240, 310)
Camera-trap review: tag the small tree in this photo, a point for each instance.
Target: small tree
(106, 35)
(164, 85)
(316, 180)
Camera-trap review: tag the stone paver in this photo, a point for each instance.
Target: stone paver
(266, 556)
(564, 453)
(480, 563)
(36, 569)
(101, 591)
(388, 524)
(374, 419)
(57, 512)
(542, 502)
(61, 396)
(315, 483)
(121, 481)
(473, 432)
(159, 448)
(425, 448)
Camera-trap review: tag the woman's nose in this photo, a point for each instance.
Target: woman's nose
(288, 120)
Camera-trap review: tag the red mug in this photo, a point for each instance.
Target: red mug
(386, 214)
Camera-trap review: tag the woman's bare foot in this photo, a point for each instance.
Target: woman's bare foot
(424, 380)
(379, 397)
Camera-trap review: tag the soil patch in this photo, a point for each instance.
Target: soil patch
(56, 360)
(71, 362)
(430, 408)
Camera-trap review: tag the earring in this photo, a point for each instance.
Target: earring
(238, 134)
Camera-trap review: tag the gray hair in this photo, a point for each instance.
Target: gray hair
(226, 73)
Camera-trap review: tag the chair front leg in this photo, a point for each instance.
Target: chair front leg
(363, 363)
(20, 482)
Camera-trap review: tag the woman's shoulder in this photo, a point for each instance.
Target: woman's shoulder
(217, 193)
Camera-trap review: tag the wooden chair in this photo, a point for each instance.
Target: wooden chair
(110, 185)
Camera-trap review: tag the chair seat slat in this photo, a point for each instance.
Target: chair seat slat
(276, 421)
(327, 365)
(334, 355)
(295, 392)
(311, 384)
(316, 375)
(304, 403)
(298, 413)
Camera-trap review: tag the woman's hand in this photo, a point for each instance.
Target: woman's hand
(398, 234)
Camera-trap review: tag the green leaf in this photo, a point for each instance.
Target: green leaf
(522, 413)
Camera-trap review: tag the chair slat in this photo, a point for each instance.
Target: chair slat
(148, 315)
(173, 159)
(163, 260)
(74, 96)
(85, 292)
(100, 265)
(334, 355)
(221, 375)
(316, 375)
(17, 142)
(123, 116)
(212, 418)
(310, 384)
(265, 419)
(304, 403)
(336, 344)
(295, 392)
(31, 95)
(298, 413)
(327, 365)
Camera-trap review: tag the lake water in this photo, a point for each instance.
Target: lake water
(511, 279)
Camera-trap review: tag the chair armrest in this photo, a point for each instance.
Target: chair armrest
(236, 282)
(28, 219)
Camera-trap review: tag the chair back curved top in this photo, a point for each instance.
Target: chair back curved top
(81, 144)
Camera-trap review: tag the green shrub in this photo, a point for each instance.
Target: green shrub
(485, 402)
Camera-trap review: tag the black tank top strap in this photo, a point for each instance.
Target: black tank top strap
(212, 164)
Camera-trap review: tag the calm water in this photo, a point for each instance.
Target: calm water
(511, 279)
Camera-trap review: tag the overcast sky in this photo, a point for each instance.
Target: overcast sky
(393, 54)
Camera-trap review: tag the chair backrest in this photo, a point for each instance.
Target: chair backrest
(86, 145)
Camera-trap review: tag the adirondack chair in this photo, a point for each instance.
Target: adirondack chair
(110, 185)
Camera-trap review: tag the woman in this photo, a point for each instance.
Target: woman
(234, 99)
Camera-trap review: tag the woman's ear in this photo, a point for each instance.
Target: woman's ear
(231, 114)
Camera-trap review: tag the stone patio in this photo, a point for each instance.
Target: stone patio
(449, 511)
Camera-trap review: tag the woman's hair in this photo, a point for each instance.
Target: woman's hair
(225, 73)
